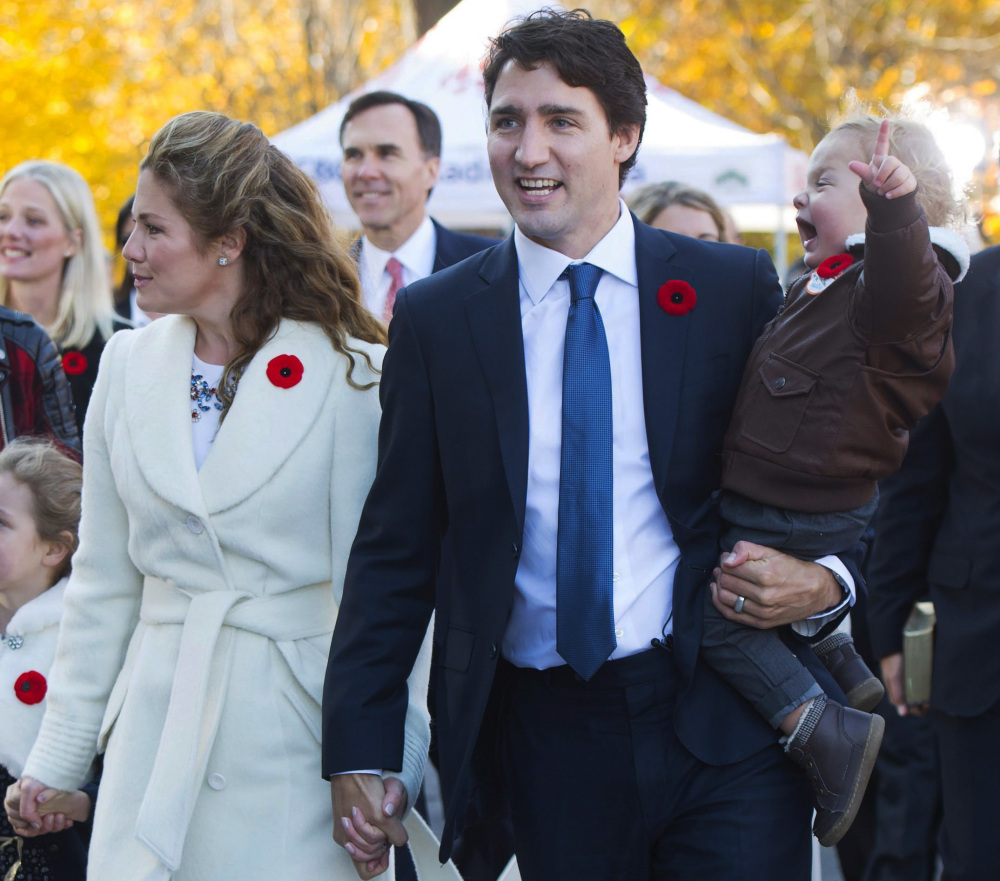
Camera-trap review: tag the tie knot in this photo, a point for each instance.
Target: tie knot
(395, 270)
(583, 279)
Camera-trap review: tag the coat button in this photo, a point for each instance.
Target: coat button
(779, 382)
(515, 549)
(493, 651)
(195, 525)
(217, 781)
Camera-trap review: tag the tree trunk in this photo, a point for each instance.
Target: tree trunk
(429, 12)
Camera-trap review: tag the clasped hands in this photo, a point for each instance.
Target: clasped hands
(776, 589)
(35, 809)
(368, 819)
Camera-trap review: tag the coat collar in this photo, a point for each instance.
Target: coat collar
(663, 339)
(494, 314)
(952, 250)
(43, 611)
(263, 427)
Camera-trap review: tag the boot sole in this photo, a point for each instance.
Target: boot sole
(872, 743)
(866, 695)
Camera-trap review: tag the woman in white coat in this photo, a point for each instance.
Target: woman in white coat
(229, 449)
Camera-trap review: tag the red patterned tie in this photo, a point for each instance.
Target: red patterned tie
(395, 270)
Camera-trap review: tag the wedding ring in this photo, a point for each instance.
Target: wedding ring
(738, 605)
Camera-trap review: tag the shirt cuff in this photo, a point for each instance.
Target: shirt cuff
(812, 625)
(366, 771)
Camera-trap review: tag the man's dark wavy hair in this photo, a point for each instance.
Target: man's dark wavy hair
(585, 52)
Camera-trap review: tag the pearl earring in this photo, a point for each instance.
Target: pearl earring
(223, 260)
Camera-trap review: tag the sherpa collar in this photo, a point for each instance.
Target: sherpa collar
(951, 248)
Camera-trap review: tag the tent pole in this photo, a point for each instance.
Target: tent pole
(780, 233)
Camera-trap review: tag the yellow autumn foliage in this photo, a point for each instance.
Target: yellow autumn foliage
(87, 82)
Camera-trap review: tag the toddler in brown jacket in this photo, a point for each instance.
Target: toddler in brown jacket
(858, 353)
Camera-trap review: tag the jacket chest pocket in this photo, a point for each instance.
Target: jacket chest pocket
(777, 403)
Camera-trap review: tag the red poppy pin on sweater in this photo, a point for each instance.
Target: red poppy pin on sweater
(74, 363)
(827, 273)
(284, 371)
(676, 297)
(30, 687)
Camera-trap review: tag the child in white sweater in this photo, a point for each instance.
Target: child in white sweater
(39, 514)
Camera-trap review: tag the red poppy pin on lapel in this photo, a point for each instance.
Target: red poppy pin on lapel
(74, 363)
(284, 371)
(30, 687)
(676, 297)
(827, 272)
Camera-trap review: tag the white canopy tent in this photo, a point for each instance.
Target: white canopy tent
(754, 174)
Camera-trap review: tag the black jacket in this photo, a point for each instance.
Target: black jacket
(939, 517)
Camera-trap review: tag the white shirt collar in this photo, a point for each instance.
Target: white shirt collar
(539, 267)
(416, 253)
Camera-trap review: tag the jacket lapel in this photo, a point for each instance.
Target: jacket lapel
(494, 315)
(663, 339)
(443, 258)
(158, 410)
(267, 422)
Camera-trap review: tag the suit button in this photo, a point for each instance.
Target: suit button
(779, 382)
(515, 549)
(217, 781)
(195, 525)
(493, 651)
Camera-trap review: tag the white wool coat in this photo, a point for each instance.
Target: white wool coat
(198, 616)
(29, 644)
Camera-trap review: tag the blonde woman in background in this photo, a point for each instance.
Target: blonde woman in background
(229, 451)
(678, 208)
(53, 266)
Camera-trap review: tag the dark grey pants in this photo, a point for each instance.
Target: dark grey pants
(756, 662)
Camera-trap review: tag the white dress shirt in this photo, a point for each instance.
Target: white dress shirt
(645, 553)
(416, 254)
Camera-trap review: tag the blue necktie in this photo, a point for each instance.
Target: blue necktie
(585, 628)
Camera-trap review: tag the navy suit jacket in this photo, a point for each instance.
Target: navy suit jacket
(442, 526)
(938, 520)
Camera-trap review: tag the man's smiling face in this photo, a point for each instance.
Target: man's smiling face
(554, 160)
(386, 175)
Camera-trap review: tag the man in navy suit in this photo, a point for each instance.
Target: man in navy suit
(649, 766)
(392, 155)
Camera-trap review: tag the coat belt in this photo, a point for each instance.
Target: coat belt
(208, 621)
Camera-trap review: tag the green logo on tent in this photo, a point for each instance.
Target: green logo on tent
(732, 176)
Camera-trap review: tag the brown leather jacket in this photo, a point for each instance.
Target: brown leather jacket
(839, 377)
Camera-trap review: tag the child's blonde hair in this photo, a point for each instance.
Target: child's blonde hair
(913, 143)
(54, 481)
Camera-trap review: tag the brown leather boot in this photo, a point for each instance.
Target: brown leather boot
(836, 747)
(863, 688)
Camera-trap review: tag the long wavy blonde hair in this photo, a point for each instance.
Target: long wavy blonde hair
(85, 305)
(223, 175)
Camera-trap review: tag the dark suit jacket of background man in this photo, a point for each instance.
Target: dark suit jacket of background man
(939, 519)
(454, 436)
(451, 248)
